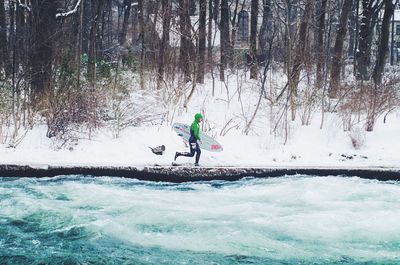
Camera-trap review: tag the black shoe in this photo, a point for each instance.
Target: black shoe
(196, 164)
(176, 155)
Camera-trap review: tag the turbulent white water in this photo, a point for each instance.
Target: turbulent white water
(303, 219)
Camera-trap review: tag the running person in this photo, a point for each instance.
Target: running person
(193, 140)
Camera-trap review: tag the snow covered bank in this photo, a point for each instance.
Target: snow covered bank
(308, 147)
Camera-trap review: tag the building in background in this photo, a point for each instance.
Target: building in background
(395, 37)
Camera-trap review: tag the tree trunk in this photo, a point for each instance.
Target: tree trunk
(43, 35)
(224, 38)
(100, 32)
(234, 24)
(253, 39)
(135, 25)
(3, 38)
(300, 57)
(356, 33)
(369, 15)
(202, 42)
(210, 32)
(352, 30)
(142, 40)
(97, 9)
(109, 14)
(153, 33)
(192, 7)
(216, 10)
(338, 49)
(87, 20)
(127, 11)
(166, 14)
(383, 42)
(79, 42)
(265, 29)
(392, 42)
(19, 37)
(186, 40)
(319, 44)
(11, 37)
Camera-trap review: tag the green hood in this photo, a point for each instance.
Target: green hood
(197, 117)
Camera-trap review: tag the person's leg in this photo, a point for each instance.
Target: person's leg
(198, 153)
(192, 151)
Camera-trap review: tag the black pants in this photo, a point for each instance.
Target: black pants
(194, 148)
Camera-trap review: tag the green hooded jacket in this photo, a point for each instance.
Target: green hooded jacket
(195, 125)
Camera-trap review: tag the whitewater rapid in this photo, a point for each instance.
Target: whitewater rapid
(300, 218)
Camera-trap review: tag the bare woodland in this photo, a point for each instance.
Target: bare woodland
(64, 62)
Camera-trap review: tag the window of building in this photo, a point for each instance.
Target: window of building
(398, 29)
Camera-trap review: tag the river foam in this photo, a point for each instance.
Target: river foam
(277, 220)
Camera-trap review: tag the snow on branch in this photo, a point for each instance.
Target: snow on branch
(25, 5)
(66, 14)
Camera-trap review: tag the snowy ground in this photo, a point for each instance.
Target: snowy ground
(307, 146)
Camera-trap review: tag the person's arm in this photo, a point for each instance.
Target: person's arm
(196, 130)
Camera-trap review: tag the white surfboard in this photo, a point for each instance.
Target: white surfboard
(207, 143)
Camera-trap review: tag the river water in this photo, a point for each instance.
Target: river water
(287, 220)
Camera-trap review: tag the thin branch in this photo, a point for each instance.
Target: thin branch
(25, 5)
(73, 11)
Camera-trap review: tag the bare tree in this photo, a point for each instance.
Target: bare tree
(299, 57)
(127, 11)
(383, 42)
(338, 49)
(43, 55)
(3, 38)
(109, 20)
(43, 35)
(353, 24)
(369, 16)
(235, 21)
(210, 32)
(166, 14)
(86, 25)
(253, 40)
(20, 37)
(186, 39)
(265, 29)
(319, 41)
(225, 39)
(97, 10)
(263, 83)
(79, 46)
(142, 41)
(216, 11)
(202, 42)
